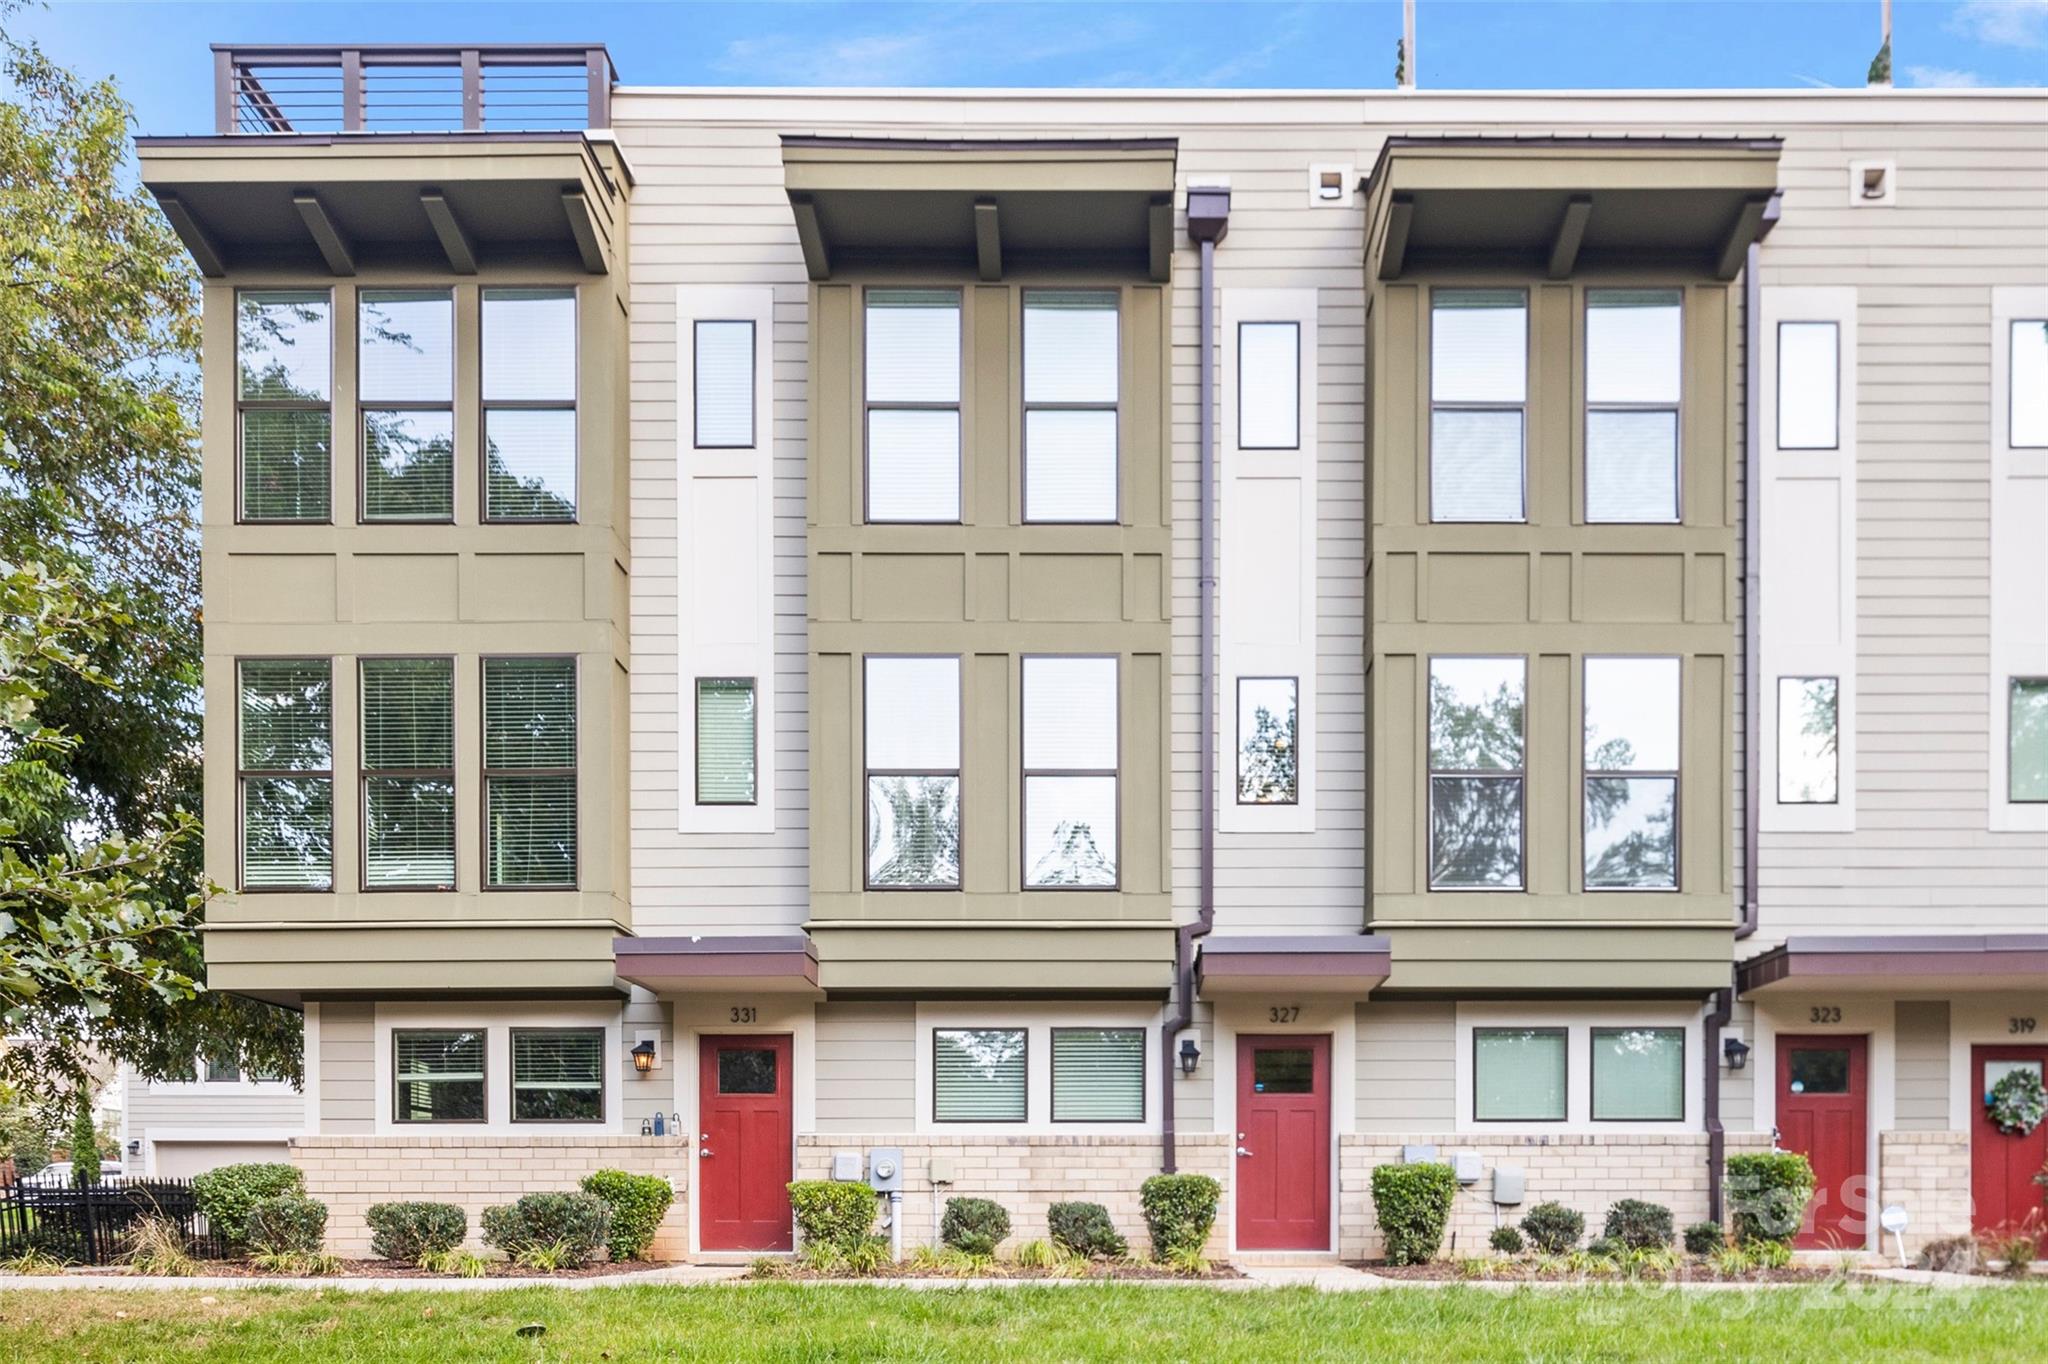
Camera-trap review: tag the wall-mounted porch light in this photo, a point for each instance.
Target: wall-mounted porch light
(1190, 1056)
(643, 1056)
(1736, 1051)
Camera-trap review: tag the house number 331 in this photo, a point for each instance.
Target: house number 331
(742, 1013)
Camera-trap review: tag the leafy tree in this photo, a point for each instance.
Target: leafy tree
(101, 884)
(85, 1145)
(1268, 763)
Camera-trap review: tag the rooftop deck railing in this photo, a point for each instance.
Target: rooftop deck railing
(401, 88)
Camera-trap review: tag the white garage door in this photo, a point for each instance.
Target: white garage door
(184, 1159)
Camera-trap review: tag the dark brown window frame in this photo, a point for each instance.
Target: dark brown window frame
(1521, 408)
(1052, 1097)
(959, 774)
(244, 773)
(1025, 408)
(604, 1076)
(1541, 1030)
(486, 406)
(365, 773)
(1294, 682)
(366, 408)
(1295, 325)
(1593, 1036)
(1677, 409)
(1518, 775)
(1022, 1120)
(245, 405)
(1676, 776)
(483, 1081)
(697, 325)
(487, 772)
(697, 743)
(958, 407)
(1026, 772)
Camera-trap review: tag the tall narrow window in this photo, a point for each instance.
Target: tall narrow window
(1519, 1074)
(1634, 355)
(724, 385)
(558, 1074)
(287, 773)
(912, 708)
(1070, 772)
(1475, 773)
(725, 741)
(284, 346)
(1638, 1075)
(2027, 736)
(913, 404)
(1808, 740)
(1268, 760)
(405, 379)
(529, 390)
(978, 1075)
(1269, 386)
(408, 716)
(1809, 385)
(1631, 773)
(1478, 395)
(438, 1074)
(1070, 398)
(530, 772)
(2027, 384)
(1098, 1075)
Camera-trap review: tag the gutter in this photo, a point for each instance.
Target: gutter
(1208, 221)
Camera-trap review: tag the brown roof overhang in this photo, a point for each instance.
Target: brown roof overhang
(777, 964)
(1965, 962)
(1297, 964)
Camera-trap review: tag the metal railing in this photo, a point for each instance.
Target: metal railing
(401, 88)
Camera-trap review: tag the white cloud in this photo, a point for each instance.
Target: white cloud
(2003, 23)
(1942, 77)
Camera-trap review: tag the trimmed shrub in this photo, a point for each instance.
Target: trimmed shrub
(576, 1223)
(1179, 1211)
(289, 1224)
(226, 1194)
(638, 1203)
(1553, 1227)
(413, 1231)
(836, 1214)
(974, 1226)
(1638, 1225)
(1085, 1229)
(1767, 1195)
(1413, 1203)
(1704, 1238)
(1506, 1240)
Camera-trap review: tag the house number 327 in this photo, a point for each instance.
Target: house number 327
(1284, 1013)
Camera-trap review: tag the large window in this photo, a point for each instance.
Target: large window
(1070, 398)
(2027, 731)
(1098, 1075)
(1518, 1074)
(405, 380)
(1478, 396)
(529, 392)
(1638, 1074)
(1809, 385)
(287, 773)
(725, 741)
(1475, 773)
(1808, 740)
(530, 772)
(2027, 385)
(1269, 385)
(408, 718)
(1634, 375)
(1268, 756)
(979, 1075)
(913, 404)
(1631, 773)
(912, 709)
(558, 1074)
(723, 385)
(438, 1075)
(284, 344)
(1070, 773)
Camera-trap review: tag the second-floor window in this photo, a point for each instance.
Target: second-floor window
(1070, 405)
(1476, 773)
(1478, 397)
(2027, 737)
(1631, 773)
(912, 718)
(1268, 749)
(726, 746)
(405, 381)
(1634, 376)
(913, 405)
(1809, 758)
(408, 708)
(284, 348)
(529, 395)
(287, 773)
(529, 772)
(1070, 773)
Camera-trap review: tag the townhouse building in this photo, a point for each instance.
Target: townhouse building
(1030, 638)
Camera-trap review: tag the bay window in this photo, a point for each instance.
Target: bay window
(529, 773)
(1634, 360)
(912, 712)
(1478, 401)
(1631, 773)
(1476, 773)
(913, 405)
(284, 346)
(408, 727)
(405, 385)
(1070, 772)
(1070, 405)
(286, 736)
(529, 397)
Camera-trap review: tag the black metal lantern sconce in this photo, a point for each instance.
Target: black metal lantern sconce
(1190, 1056)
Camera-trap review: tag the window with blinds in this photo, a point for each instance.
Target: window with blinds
(1518, 1074)
(1478, 404)
(911, 712)
(1070, 405)
(529, 772)
(284, 347)
(1269, 385)
(558, 1074)
(1634, 375)
(1631, 773)
(726, 751)
(1476, 770)
(408, 719)
(1070, 773)
(1098, 1075)
(723, 385)
(1638, 1075)
(529, 394)
(978, 1075)
(405, 385)
(912, 347)
(437, 1075)
(286, 774)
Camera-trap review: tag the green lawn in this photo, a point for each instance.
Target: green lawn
(1090, 1322)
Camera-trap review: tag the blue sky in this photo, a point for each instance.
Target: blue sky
(158, 50)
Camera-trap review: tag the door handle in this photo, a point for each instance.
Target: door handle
(705, 1151)
(1241, 1151)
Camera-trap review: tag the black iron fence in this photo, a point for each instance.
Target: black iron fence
(89, 1224)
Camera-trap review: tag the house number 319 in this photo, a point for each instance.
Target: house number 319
(2019, 1025)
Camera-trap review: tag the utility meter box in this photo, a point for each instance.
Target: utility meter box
(1507, 1185)
(1418, 1155)
(846, 1165)
(1465, 1164)
(885, 1169)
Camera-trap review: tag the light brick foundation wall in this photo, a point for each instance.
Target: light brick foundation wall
(348, 1174)
(1026, 1174)
(1584, 1172)
(1928, 1172)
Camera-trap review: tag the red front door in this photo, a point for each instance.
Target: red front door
(1822, 1114)
(1283, 1143)
(746, 1126)
(2003, 1193)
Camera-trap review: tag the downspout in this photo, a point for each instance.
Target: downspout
(1752, 566)
(1717, 1136)
(1208, 220)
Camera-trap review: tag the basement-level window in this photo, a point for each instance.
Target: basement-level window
(529, 772)
(1634, 375)
(1519, 1074)
(912, 715)
(1070, 405)
(1478, 397)
(405, 382)
(1638, 1074)
(1631, 773)
(1475, 773)
(913, 405)
(979, 1075)
(2028, 739)
(438, 1075)
(408, 716)
(1070, 773)
(558, 1074)
(1098, 1075)
(1808, 740)
(287, 773)
(529, 392)
(284, 356)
